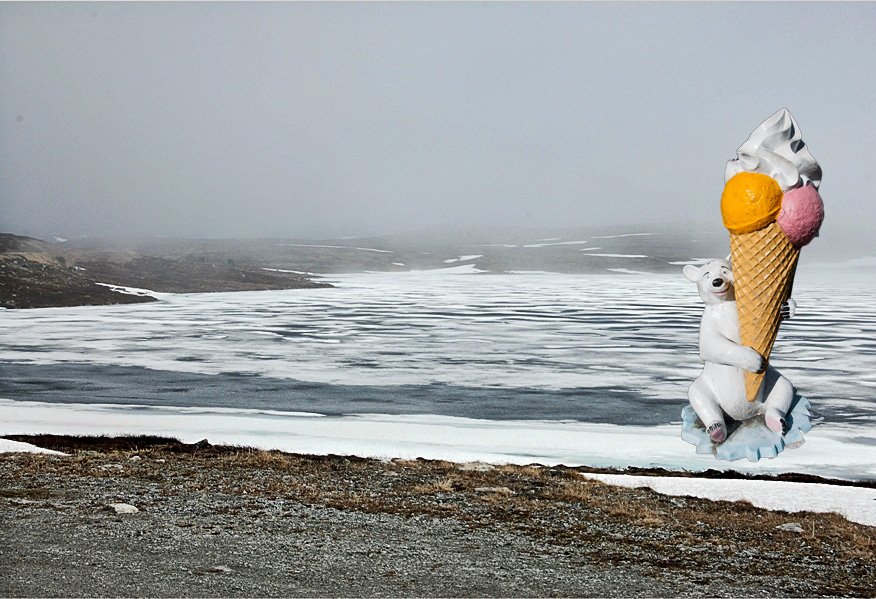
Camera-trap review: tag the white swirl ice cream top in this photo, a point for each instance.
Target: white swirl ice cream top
(777, 149)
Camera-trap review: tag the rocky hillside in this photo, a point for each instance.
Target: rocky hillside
(36, 274)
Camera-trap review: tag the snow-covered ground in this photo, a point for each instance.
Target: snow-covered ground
(623, 235)
(9, 446)
(335, 247)
(294, 272)
(855, 503)
(133, 290)
(463, 258)
(554, 242)
(619, 256)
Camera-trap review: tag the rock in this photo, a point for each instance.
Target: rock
(122, 508)
(18, 501)
(556, 473)
(499, 490)
(202, 444)
(218, 570)
(790, 527)
(108, 467)
(475, 467)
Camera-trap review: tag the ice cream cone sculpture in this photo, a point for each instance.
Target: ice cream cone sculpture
(772, 208)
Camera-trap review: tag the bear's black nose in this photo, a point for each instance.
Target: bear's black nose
(717, 282)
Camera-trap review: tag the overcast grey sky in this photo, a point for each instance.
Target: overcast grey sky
(333, 119)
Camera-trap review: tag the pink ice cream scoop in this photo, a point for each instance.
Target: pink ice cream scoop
(801, 214)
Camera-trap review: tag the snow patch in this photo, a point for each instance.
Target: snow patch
(294, 272)
(334, 247)
(619, 255)
(624, 235)
(626, 271)
(10, 446)
(463, 258)
(693, 261)
(547, 442)
(530, 272)
(462, 269)
(544, 245)
(855, 503)
(131, 290)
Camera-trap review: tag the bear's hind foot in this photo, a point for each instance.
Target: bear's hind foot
(775, 421)
(717, 432)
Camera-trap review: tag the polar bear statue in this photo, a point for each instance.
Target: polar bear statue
(720, 389)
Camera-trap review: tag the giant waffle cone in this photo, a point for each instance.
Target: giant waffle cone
(764, 262)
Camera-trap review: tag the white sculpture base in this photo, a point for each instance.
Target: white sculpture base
(749, 438)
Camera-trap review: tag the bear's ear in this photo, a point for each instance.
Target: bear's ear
(691, 273)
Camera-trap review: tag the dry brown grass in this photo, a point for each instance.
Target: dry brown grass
(256, 458)
(578, 490)
(637, 514)
(442, 485)
(529, 471)
(862, 545)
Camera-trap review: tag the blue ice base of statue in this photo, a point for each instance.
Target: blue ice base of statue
(749, 438)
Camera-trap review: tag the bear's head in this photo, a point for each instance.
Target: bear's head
(714, 281)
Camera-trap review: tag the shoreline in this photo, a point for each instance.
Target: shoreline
(72, 443)
(830, 451)
(231, 521)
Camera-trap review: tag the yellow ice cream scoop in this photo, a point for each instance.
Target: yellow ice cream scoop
(750, 202)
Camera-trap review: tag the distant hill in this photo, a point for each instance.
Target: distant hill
(18, 243)
(37, 274)
(603, 250)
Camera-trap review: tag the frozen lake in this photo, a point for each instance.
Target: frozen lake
(454, 344)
